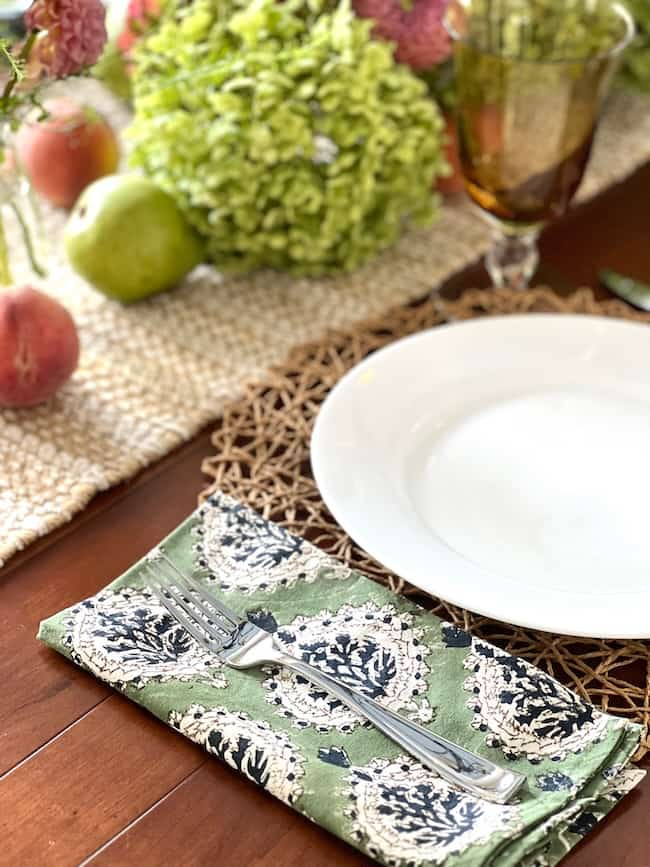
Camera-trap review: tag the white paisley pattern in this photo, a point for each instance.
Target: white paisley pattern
(244, 552)
(375, 650)
(525, 712)
(405, 814)
(252, 747)
(621, 779)
(126, 638)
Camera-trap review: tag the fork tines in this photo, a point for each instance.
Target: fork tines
(203, 617)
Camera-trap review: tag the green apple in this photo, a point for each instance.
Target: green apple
(129, 239)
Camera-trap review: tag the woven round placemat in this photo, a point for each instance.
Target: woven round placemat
(262, 458)
(152, 374)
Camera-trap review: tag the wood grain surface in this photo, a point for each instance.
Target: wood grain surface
(86, 777)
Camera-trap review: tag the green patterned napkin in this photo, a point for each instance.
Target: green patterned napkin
(308, 749)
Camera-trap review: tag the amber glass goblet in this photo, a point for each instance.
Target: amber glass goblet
(532, 76)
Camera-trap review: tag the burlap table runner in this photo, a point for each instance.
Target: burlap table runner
(151, 375)
(262, 459)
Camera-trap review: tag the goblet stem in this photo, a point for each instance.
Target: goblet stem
(513, 258)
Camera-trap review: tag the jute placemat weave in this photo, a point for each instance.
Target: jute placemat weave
(262, 458)
(153, 374)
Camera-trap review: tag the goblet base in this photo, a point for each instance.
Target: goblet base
(513, 257)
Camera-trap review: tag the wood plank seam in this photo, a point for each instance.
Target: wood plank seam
(140, 817)
(51, 740)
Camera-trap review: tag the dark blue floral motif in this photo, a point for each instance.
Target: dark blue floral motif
(127, 638)
(251, 746)
(454, 636)
(263, 618)
(142, 635)
(554, 782)
(244, 552)
(405, 815)
(440, 818)
(356, 661)
(583, 824)
(376, 651)
(253, 540)
(524, 711)
(536, 696)
(334, 756)
(253, 763)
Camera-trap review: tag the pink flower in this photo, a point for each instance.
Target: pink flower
(73, 34)
(420, 38)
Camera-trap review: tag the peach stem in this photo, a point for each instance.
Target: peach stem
(16, 72)
(27, 240)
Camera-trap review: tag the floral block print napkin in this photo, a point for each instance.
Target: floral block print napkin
(299, 743)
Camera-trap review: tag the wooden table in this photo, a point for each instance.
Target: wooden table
(85, 776)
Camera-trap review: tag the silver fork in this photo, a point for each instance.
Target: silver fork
(241, 644)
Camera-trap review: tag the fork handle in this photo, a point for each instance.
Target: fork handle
(454, 763)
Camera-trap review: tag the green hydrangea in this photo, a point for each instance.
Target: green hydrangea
(635, 69)
(288, 136)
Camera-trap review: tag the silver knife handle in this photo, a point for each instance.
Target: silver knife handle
(454, 763)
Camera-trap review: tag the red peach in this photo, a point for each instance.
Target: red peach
(39, 346)
(66, 152)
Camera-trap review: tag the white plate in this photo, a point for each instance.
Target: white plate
(503, 464)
